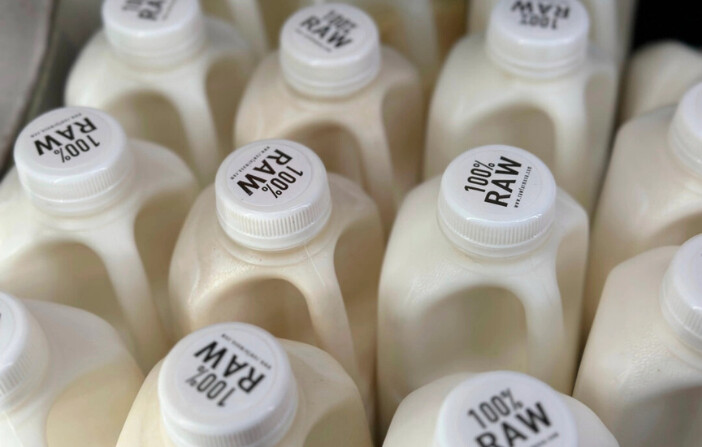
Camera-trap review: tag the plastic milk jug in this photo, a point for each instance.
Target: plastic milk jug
(235, 385)
(168, 75)
(611, 29)
(89, 218)
(652, 195)
(66, 378)
(277, 243)
(332, 87)
(537, 85)
(484, 270)
(659, 75)
(422, 30)
(494, 409)
(642, 367)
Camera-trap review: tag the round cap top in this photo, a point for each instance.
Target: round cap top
(24, 352)
(228, 385)
(496, 201)
(685, 133)
(73, 160)
(329, 50)
(154, 33)
(681, 292)
(538, 38)
(272, 195)
(482, 410)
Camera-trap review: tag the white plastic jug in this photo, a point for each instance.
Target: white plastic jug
(494, 409)
(652, 195)
(422, 30)
(333, 88)
(659, 75)
(66, 379)
(536, 85)
(168, 75)
(235, 385)
(279, 244)
(642, 367)
(611, 28)
(89, 218)
(484, 270)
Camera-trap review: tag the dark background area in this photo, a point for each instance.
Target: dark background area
(672, 20)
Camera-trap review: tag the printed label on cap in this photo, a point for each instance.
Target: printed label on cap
(226, 371)
(329, 29)
(149, 10)
(511, 413)
(544, 14)
(269, 175)
(496, 181)
(66, 138)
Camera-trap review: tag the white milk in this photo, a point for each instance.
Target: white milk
(278, 244)
(66, 379)
(235, 385)
(652, 195)
(359, 106)
(89, 218)
(659, 75)
(484, 270)
(612, 22)
(422, 30)
(168, 75)
(541, 88)
(494, 409)
(642, 367)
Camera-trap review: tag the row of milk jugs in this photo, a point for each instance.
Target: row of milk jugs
(99, 234)
(484, 270)
(189, 82)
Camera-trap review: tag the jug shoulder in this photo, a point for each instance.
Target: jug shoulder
(322, 384)
(417, 242)
(99, 76)
(630, 337)
(646, 180)
(268, 95)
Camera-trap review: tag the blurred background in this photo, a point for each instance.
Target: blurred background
(39, 39)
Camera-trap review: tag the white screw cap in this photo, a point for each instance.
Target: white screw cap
(474, 413)
(539, 39)
(681, 292)
(685, 134)
(496, 201)
(329, 50)
(272, 195)
(154, 33)
(73, 160)
(24, 352)
(228, 385)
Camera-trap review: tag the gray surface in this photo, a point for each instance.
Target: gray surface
(39, 41)
(24, 38)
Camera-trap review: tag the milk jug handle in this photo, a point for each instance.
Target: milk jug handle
(383, 192)
(201, 133)
(572, 162)
(545, 327)
(249, 19)
(329, 318)
(117, 247)
(421, 33)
